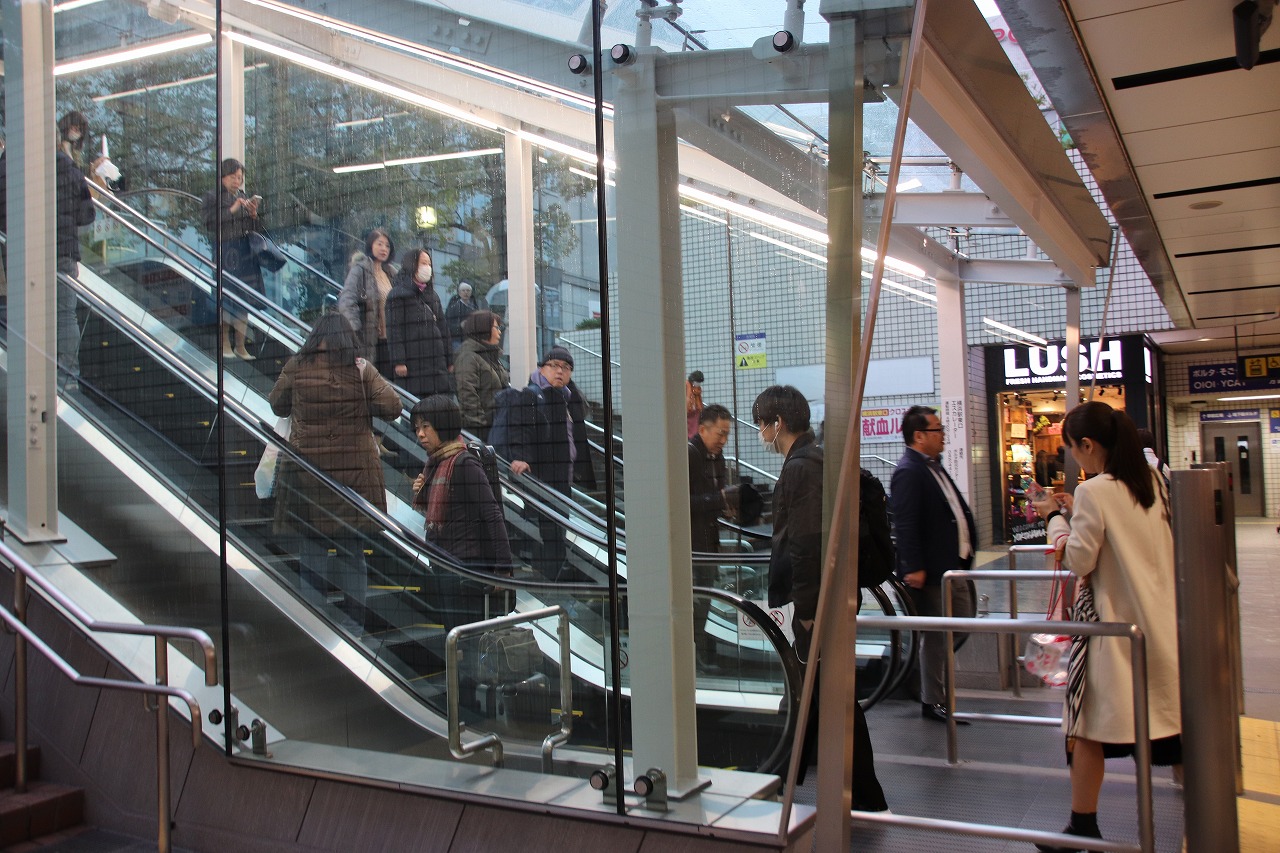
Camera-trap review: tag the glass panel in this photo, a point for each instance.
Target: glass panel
(1242, 464)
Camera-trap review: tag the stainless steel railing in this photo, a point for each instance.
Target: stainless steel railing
(23, 574)
(1141, 727)
(456, 746)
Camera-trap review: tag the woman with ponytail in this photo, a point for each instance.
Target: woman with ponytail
(1114, 535)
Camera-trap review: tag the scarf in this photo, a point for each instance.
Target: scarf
(446, 455)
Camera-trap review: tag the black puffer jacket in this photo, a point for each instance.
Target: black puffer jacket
(75, 205)
(418, 337)
(795, 565)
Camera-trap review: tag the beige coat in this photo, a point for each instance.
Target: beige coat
(1126, 552)
(331, 410)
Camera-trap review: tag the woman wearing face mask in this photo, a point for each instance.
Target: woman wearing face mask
(417, 333)
(363, 300)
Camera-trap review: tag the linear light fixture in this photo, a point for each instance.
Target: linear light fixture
(566, 150)
(790, 248)
(130, 54)
(1011, 330)
(442, 57)
(409, 161)
(702, 214)
(73, 4)
(909, 184)
(363, 81)
(162, 86)
(1250, 397)
(583, 173)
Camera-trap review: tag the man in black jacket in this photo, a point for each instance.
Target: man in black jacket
(795, 564)
(709, 500)
(74, 210)
(548, 439)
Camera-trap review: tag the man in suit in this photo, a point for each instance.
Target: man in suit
(934, 533)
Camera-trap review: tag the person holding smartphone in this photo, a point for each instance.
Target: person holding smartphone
(239, 218)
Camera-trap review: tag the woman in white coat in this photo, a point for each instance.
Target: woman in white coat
(1119, 543)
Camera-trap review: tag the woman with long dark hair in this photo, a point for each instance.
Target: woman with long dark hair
(1118, 541)
(332, 396)
(417, 333)
(363, 300)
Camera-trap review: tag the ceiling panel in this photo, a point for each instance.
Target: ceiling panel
(1134, 42)
(1202, 138)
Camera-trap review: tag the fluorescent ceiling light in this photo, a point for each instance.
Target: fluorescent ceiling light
(566, 150)
(437, 158)
(790, 248)
(894, 264)
(161, 86)
(380, 86)
(130, 54)
(583, 173)
(361, 167)
(902, 288)
(409, 161)
(438, 56)
(73, 4)
(1250, 397)
(1011, 330)
(702, 214)
(757, 216)
(913, 183)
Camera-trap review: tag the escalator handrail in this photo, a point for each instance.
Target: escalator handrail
(235, 294)
(333, 283)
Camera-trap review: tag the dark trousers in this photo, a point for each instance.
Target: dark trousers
(933, 644)
(868, 796)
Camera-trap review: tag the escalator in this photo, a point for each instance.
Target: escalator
(148, 392)
(149, 382)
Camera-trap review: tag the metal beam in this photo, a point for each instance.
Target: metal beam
(959, 209)
(974, 105)
(1026, 272)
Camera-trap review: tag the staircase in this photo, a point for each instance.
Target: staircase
(44, 809)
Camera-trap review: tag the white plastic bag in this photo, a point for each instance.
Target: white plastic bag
(264, 476)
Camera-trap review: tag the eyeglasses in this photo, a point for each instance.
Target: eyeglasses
(559, 365)
(934, 429)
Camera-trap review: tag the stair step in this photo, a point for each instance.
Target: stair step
(9, 763)
(45, 808)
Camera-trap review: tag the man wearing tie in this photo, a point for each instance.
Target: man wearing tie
(934, 533)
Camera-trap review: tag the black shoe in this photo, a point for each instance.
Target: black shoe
(938, 713)
(1071, 830)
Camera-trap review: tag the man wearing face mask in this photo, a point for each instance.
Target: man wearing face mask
(795, 562)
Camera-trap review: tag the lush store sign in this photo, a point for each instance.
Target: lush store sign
(1028, 366)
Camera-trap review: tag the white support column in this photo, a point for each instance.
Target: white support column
(232, 106)
(1071, 470)
(522, 318)
(651, 298)
(953, 381)
(843, 340)
(32, 272)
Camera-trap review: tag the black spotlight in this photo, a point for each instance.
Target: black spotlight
(783, 41)
(578, 64)
(622, 54)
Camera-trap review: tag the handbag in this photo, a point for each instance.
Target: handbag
(268, 470)
(268, 255)
(1046, 655)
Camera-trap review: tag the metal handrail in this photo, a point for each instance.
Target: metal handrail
(1141, 726)
(460, 750)
(1010, 665)
(24, 572)
(994, 574)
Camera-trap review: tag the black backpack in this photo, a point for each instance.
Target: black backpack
(875, 546)
(489, 462)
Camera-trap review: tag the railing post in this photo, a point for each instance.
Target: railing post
(20, 685)
(163, 841)
(1207, 696)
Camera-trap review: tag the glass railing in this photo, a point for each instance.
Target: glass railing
(363, 584)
